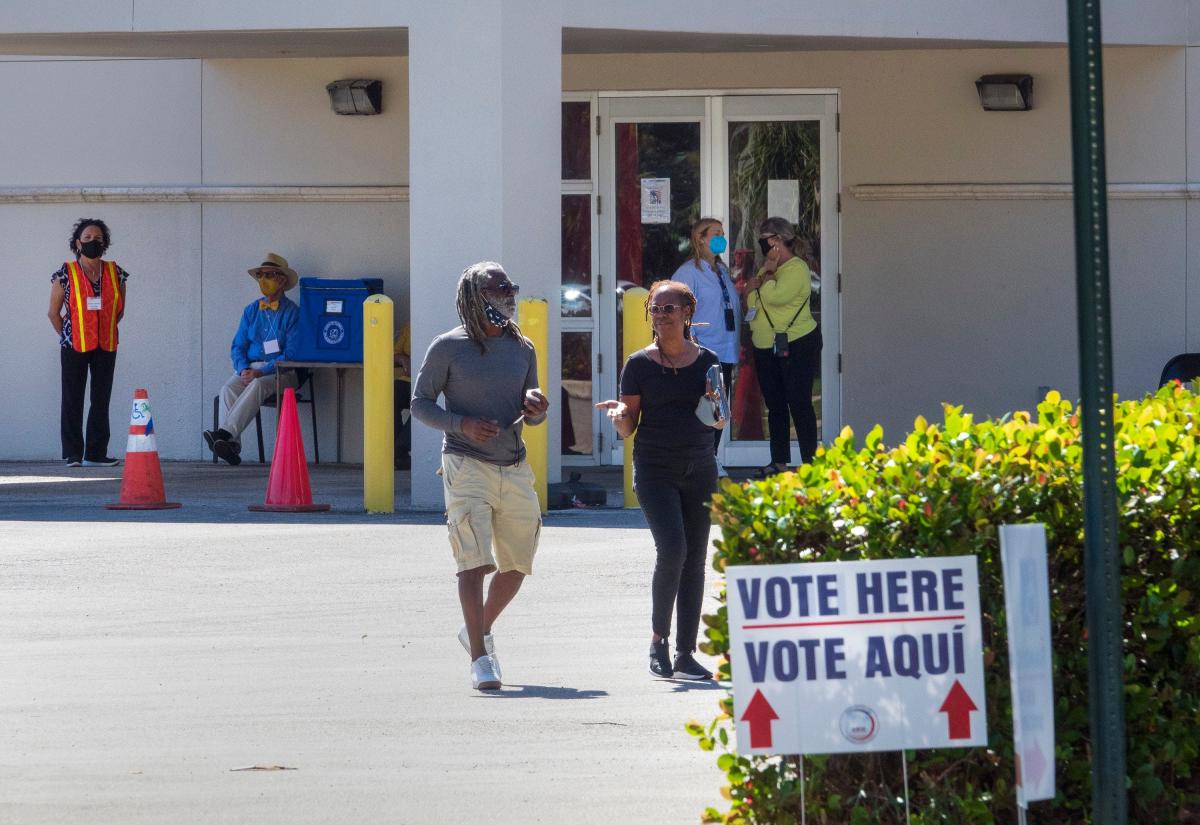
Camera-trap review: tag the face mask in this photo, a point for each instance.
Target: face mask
(497, 316)
(268, 286)
(92, 249)
(717, 244)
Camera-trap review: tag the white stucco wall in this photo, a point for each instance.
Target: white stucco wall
(1143, 22)
(963, 301)
(189, 123)
(972, 301)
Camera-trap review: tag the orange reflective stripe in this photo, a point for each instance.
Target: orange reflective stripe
(79, 298)
(112, 311)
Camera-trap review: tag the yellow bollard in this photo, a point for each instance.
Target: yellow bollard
(379, 407)
(533, 316)
(636, 335)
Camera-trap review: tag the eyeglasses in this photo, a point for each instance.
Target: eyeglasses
(507, 288)
(663, 309)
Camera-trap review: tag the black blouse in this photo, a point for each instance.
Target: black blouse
(669, 425)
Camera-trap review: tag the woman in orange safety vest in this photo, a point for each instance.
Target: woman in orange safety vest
(87, 300)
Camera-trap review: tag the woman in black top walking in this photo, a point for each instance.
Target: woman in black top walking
(664, 389)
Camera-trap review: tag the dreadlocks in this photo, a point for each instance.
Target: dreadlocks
(470, 303)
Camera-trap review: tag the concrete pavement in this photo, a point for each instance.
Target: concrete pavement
(143, 656)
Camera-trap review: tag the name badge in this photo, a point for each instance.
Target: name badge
(271, 347)
(94, 302)
(751, 313)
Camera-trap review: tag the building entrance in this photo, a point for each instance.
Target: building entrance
(655, 165)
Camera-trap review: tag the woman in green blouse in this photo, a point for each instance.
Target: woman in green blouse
(787, 341)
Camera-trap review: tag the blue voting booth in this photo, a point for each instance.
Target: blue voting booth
(331, 318)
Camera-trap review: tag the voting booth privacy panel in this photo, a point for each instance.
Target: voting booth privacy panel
(331, 316)
(850, 657)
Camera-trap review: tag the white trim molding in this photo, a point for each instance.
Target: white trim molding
(204, 194)
(1016, 191)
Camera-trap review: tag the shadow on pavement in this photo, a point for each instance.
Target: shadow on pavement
(683, 685)
(542, 692)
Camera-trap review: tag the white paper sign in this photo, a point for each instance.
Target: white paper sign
(849, 657)
(656, 200)
(1027, 603)
(94, 302)
(783, 199)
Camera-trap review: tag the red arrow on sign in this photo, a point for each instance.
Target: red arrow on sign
(760, 714)
(958, 707)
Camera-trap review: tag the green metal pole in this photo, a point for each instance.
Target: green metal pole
(1102, 561)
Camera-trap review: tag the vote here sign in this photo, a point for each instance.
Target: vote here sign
(846, 657)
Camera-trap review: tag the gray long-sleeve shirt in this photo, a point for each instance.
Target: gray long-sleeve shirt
(476, 384)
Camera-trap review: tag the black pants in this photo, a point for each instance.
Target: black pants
(75, 368)
(675, 494)
(403, 431)
(727, 372)
(786, 385)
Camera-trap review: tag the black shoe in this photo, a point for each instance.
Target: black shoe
(211, 437)
(101, 462)
(660, 659)
(688, 668)
(227, 451)
(74, 462)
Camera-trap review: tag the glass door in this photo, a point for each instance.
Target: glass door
(778, 158)
(664, 162)
(654, 156)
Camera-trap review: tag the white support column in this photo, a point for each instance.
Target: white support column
(485, 85)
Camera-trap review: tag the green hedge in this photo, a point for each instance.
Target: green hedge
(945, 490)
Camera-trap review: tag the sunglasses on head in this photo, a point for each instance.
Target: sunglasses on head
(663, 309)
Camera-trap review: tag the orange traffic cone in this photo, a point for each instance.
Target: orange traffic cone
(142, 481)
(287, 487)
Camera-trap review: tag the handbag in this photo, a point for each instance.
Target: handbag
(779, 347)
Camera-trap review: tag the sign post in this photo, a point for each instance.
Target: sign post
(852, 657)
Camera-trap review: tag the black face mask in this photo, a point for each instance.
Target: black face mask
(92, 249)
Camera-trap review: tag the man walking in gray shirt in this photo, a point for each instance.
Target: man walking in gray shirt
(487, 372)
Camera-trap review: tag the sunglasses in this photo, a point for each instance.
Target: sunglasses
(506, 288)
(663, 309)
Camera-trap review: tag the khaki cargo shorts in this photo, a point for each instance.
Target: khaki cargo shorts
(490, 506)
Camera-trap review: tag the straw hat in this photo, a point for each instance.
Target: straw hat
(277, 262)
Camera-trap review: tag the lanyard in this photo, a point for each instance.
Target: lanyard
(724, 291)
(273, 324)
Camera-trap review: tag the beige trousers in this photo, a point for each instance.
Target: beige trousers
(240, 403)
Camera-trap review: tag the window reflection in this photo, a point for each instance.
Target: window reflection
(576, 393)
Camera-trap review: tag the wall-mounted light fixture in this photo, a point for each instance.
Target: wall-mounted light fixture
(1005, 92)
(356, 97)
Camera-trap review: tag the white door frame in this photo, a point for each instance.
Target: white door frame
(715, 109)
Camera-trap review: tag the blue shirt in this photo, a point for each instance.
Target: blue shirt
(261, 325)
(705, 283)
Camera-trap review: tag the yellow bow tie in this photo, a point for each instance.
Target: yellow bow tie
(272, 305)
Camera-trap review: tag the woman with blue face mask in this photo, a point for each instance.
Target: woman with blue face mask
(716, 320)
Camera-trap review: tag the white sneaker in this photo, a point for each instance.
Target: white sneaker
(721, 471)
(489, 647)
(484, 675)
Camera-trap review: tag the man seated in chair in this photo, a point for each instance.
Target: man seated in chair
(265, 335)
